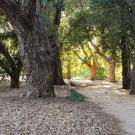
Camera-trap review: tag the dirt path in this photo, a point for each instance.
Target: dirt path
(114, 100)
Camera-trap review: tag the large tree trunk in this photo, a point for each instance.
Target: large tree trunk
(38, 63)
(111, 75)
(126, 71)
(38, 57)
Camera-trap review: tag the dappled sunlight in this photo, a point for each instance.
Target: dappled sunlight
(95, 86)
(107, 86)
(99, 91)
(114, 100)
(121, 91)
(107, 96)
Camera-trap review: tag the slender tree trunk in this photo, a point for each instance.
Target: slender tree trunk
(15, 73)
(132, 88)
(110, 61)
(14, 80)
(92, 68)
(111, 76)
(14, 65)
(68, 72)
(126, 71)
(57, 69)
(58, 76)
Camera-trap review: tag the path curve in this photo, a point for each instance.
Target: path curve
(113, 100)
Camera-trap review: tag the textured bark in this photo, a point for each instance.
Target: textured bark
(58, 76)
(57, 68)
(111, 76)
(126, 71)
(38, 58)
(15, 73)
(38, 55)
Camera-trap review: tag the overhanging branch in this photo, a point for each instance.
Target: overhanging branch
(100, 53)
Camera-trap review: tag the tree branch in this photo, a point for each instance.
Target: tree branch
(90, 50)
(82, 47)
(80, 58)
(64, 38)
(100, 53)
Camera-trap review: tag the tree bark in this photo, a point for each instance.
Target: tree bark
(14, 80)
(92, 68)
(126, 70)
(57, 69)
(58, 76)
(15, 73)
(37, 55)
(38, 60)
(111, 74)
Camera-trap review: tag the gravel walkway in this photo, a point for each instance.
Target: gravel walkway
(57, 116)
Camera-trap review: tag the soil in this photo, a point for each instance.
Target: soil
(52, 116)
